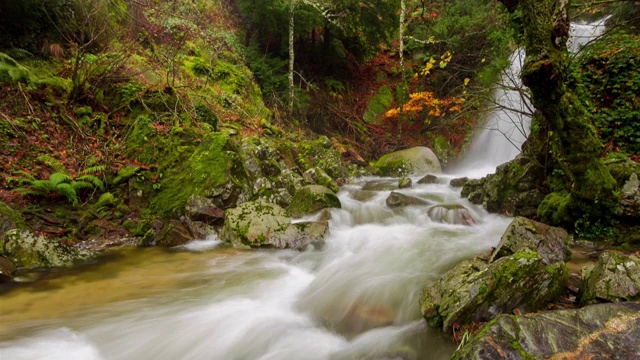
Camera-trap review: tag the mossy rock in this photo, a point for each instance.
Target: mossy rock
(11, 72)
(603, 331)
(262, 224)
(7, 270)
(28, 250)
(615, 277)
(319, 177)
(10, 219)
(416, 160)
(399, 200)
(311, 199)
(379, 104)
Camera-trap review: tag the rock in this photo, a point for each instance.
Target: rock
(7, 270)
(26, 249)
(259, 224)
(380, 185)
(459, 182)
(603, 331)
(428, 179)
(9, 219)
(200, 208)
(551, 243)
(311, 199)
(398, 200)
(513, 190)
(630, 198)
(404, 183)
(615, 277)
(416, 160)
(173, 233)
(362, 195)
(478, 292)
(319, 177)
(523, 274)
(454, 214)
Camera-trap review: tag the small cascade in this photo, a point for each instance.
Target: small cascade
(507, 126)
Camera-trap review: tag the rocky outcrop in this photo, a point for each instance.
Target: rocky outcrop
(627, 175)
(513, 190)
(416, 160)
(311, 199)
(404, 183)
(524, 277)
(603, 331)
(262, 224)
(398, 200)
(9, 219)
(615, 277)
(26, 249)
(7, 270)
(459, 182)
(200, 208)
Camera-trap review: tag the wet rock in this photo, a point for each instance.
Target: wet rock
(416, 160)
(319, 177)
(26, 249)
(615, 277)
(630, 198)
(524, 276)
(7, 270)
(459, 182)
(362, 195)
(380, 185)
(603, 331)
(512, 190)
(551, 243)
(398, 200)
(428, 179)
(260, 224)
(200, 208)
(311, 199)
(9, 219)
(454, 214)
(404, 183)
(173, 233)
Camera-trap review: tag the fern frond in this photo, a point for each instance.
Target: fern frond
(67, 191)
(80, 185)
(43, 186)
(93, 180)
(27, 192)
(53, 163)
(93, 169)
(26, 178)
(59, 178)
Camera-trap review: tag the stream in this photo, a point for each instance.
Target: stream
(354, 298)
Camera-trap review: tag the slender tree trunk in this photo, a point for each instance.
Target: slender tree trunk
(401, 97)
(582, 190)
(291, 54)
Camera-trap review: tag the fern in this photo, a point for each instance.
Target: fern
(91, 179)
(53, 163)
(81, 185)
(93, 169)
(59, 178)
(68, 192)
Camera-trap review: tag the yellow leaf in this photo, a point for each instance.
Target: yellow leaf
(466, 81)
(483, 60)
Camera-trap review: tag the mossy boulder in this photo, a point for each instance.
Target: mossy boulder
(404, 183)
(26, 249)
(318, 176)
(514, 189)
(200, 208)
(417, 160)
(458, 182)
(9, 219)
(11, 71)
(615, 277)
(524, 277)
(173, 233)
(311, 199)
(428, 179)
(7, 270)
(603, 331)
(262, 224)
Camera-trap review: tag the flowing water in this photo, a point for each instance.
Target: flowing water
(357, 297)
(354, 298)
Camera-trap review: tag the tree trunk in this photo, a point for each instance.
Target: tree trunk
(582, 190)
(292, 7)
(401, 99)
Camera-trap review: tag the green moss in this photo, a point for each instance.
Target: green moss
(205, 169)
(553, 209)
(379, 104)
(11, 72)
(13, 215)
(124, 174)
(397, 167)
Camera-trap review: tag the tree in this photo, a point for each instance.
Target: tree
(582, 192)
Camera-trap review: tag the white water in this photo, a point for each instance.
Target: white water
(357, 297)
(508, 124)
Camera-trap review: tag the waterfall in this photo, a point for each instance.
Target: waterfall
(507, 124)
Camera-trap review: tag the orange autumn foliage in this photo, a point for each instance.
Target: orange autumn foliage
(426, 103)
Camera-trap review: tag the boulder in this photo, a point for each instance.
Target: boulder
(404, 183)
(428, 179)
(398, 200)
(26, 249)
(416, 160)
(459, 182)
(524, 277)
(615, 277)
(513, 190)
(603, 331)
(202, 209)
(454, 214)
(7, 270)
(311, 199)
(9, 219)
(551, 243)
(261, 224)
(173, 233)
(380, 185)
(630, 198)
(319, 177)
